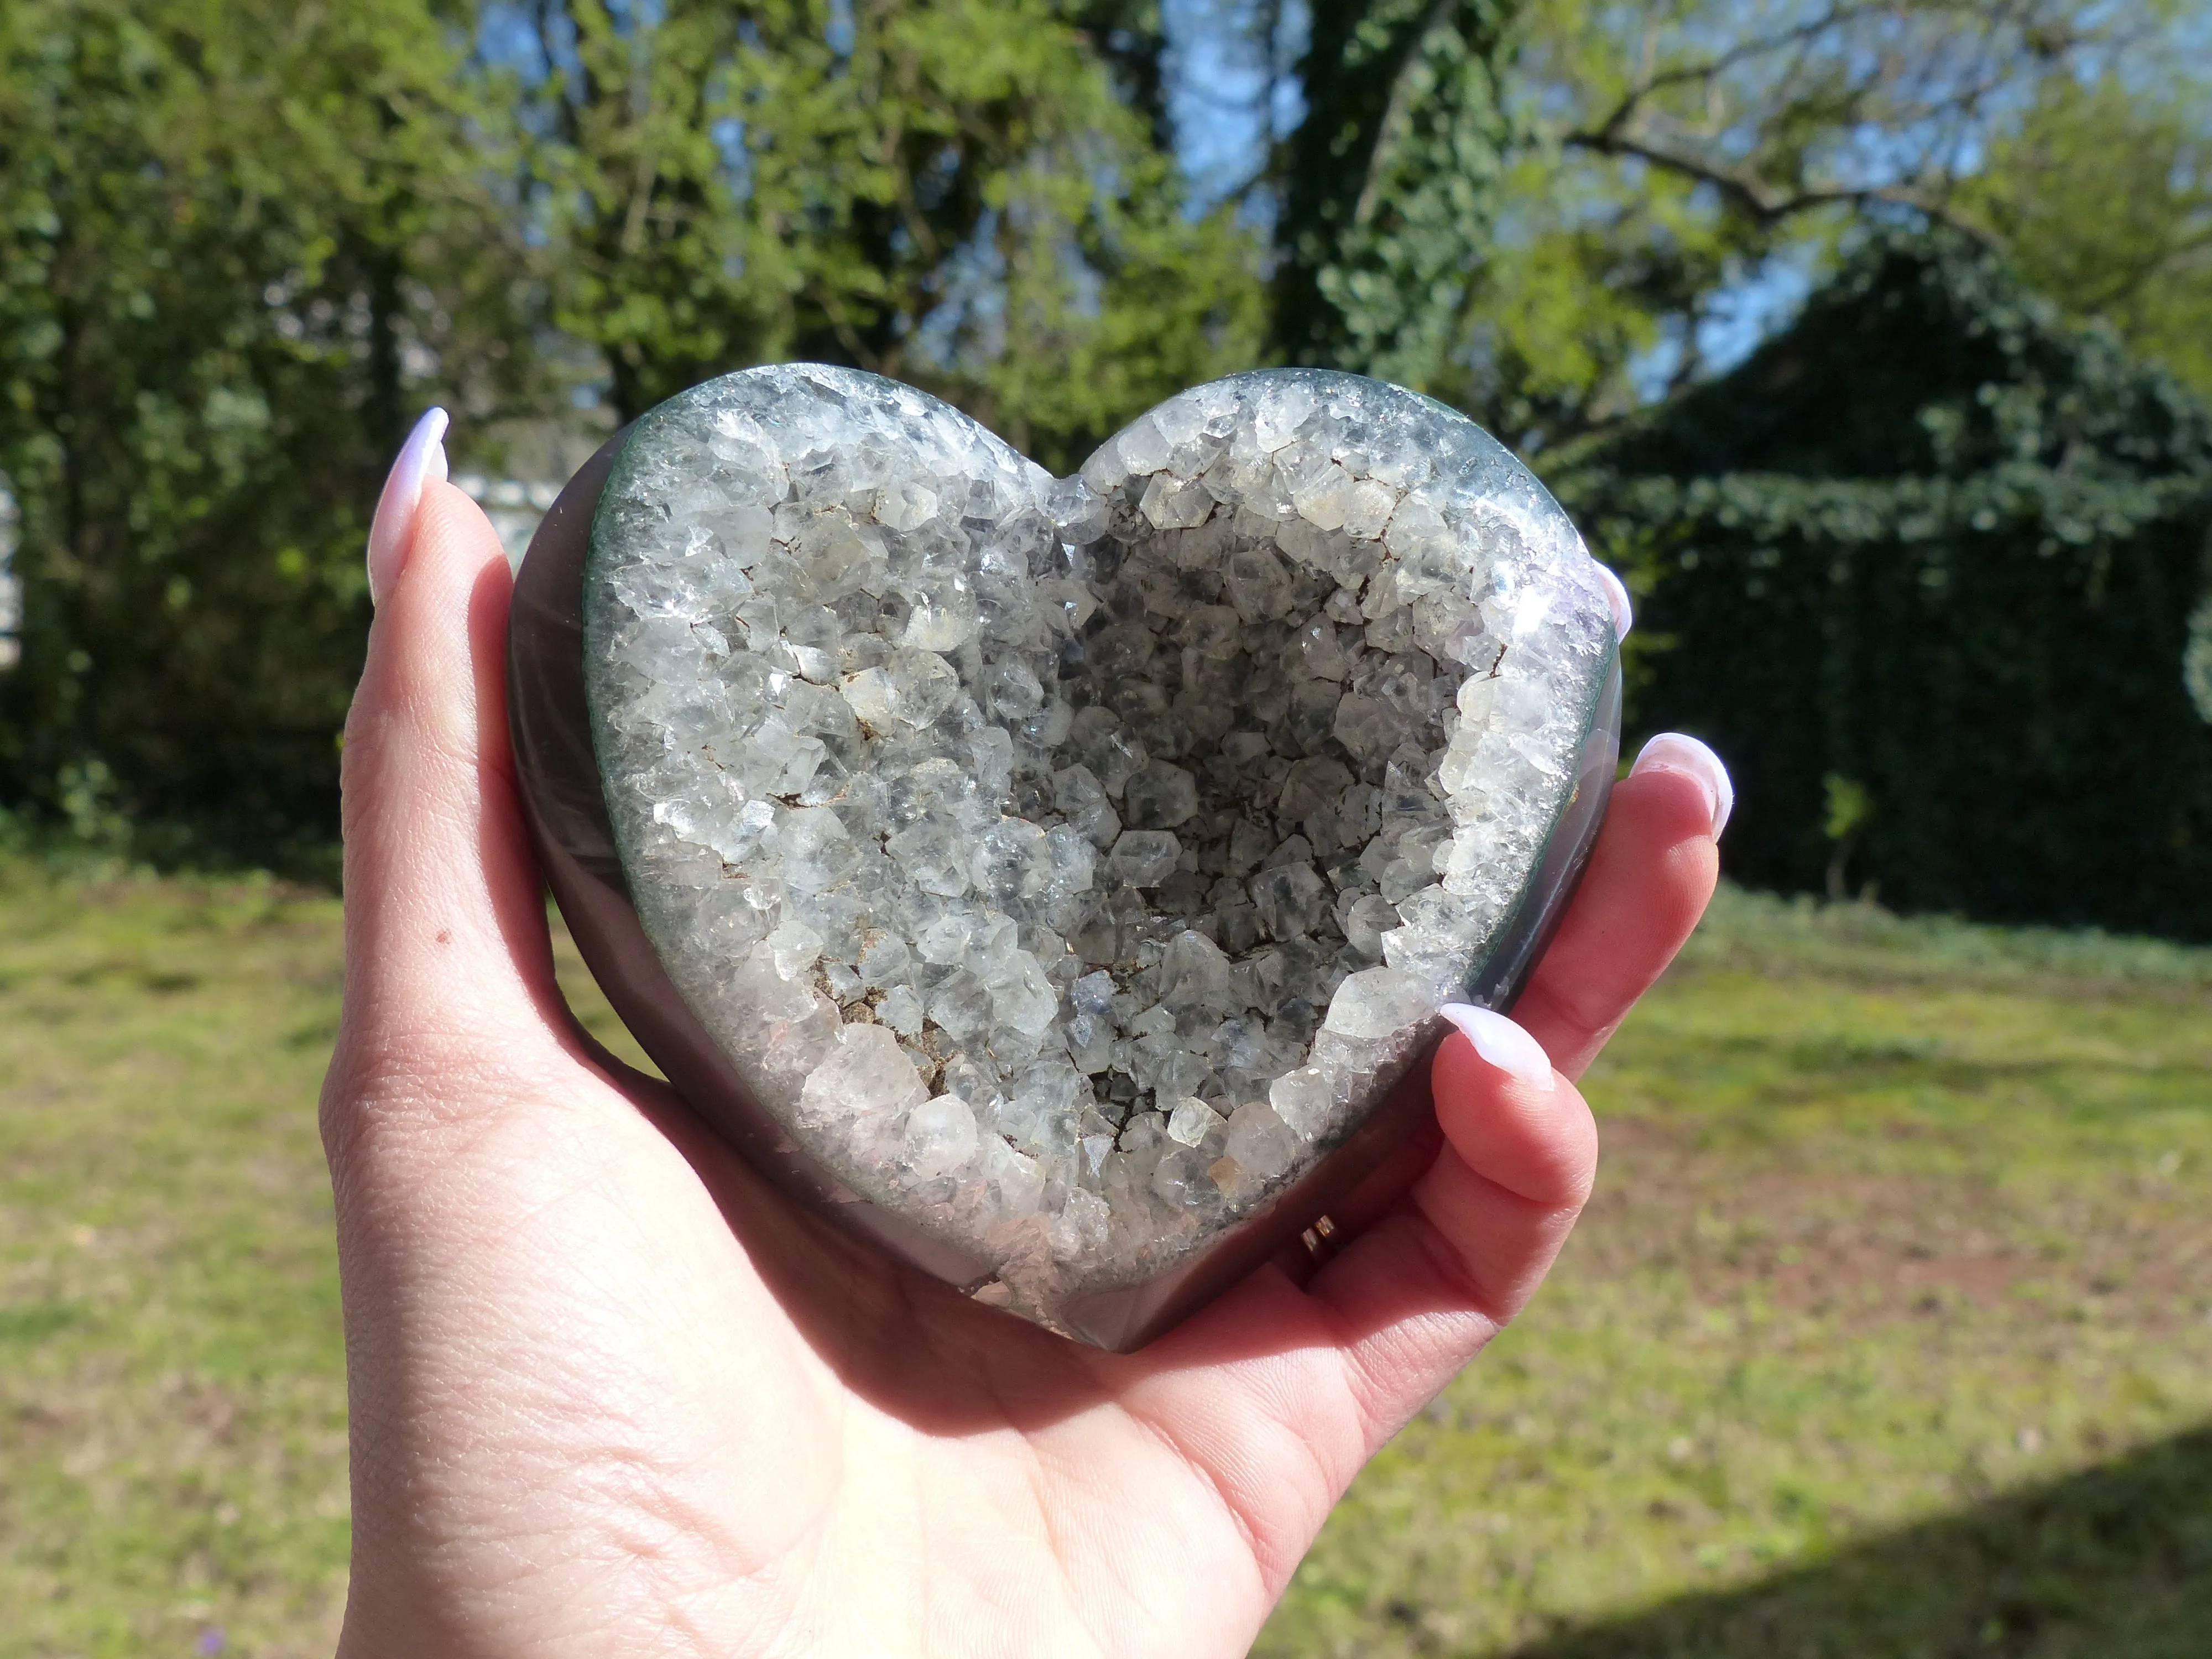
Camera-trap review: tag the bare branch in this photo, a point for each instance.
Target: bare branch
(1758, 199)
(1710, 70)
(1945, 90)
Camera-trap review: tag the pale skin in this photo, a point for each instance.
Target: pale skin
(611, 1395)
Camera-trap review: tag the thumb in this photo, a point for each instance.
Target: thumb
(448, 966)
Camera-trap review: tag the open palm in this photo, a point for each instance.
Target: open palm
(611, 1394)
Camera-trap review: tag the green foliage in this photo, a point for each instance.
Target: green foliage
(954, 193)
(233, 245)
(2105, 197)
(1849, 805)
(1661, 159)
(241, 244)
(1392, 184)
(1937, 541)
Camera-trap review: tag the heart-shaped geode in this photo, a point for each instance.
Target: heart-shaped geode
(1053, 878)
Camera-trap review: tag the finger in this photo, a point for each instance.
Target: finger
(446, 955)
(1649, 878)
(1419, 1293)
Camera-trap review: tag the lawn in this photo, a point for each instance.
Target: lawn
(1890, 1331)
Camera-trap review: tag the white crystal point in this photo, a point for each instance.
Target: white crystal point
(1072, 865)
(940, 1138)
(1371, 1006)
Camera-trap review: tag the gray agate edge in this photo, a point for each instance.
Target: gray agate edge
(566, 808)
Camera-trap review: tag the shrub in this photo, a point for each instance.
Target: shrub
(1923, 569)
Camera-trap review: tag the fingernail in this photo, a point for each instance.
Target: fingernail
(1671, 752)
(421, 458)
(1624, 617)
(1502, 1043)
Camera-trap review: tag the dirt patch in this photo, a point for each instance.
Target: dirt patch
(1905, 1281)
(1746, 1222)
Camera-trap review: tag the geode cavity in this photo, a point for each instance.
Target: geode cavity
(1069, 867)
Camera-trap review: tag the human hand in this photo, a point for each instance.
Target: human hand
(611, 1394)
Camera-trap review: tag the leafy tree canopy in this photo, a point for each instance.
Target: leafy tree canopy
(243, 243)
(234, 254)
(1549, 211)
(965, 194)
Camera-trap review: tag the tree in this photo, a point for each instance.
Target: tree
(240, 244)
(2104, 195)
(965, 194)
(1922, 567)
(1571, 195)
(1391, 185)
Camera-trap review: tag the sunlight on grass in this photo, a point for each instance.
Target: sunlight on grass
(1898, 1221)
(171, 1387)
(1893, 1216)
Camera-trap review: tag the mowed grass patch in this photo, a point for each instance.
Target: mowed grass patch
(171, 1386)
(1888, 1331)
(1896, 1222)
(173, 1471)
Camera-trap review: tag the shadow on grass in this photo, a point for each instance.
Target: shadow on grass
(2115, 1563)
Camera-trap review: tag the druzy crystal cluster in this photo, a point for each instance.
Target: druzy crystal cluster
(1070, 863)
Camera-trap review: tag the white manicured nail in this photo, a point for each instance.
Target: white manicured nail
(1502, 1043)
(421, 458)
(1670, 751)
(1624, 617)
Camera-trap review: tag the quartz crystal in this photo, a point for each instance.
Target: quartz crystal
(1069, 865)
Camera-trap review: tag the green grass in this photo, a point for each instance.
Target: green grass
(1890, 1331)
(172, 1388)
(1902, 1226)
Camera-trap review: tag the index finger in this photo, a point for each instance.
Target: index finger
(1651, 875)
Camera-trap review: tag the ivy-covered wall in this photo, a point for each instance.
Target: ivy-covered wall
(1924, 570)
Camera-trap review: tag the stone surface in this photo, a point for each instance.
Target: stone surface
(1070, 865)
